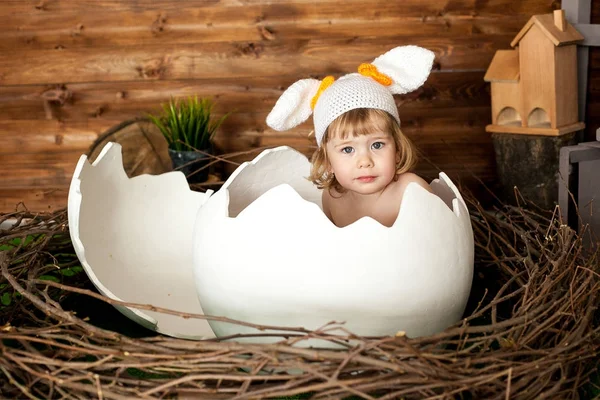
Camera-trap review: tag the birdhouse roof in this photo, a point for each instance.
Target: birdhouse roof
(504, 67)
(546, 23)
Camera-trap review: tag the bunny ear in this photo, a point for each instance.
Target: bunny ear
(408, 66)
(293, 107)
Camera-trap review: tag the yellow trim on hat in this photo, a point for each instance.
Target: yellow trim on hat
(325, 83)
(370, 70)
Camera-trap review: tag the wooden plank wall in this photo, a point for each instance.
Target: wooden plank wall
(69, 70)
(592, 113)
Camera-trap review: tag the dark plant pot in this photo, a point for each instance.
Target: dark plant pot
(529, 162)
(189, 162)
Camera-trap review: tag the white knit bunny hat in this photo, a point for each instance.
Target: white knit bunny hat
(399, 71)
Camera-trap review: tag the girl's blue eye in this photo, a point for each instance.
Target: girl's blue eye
(347, 150)
(377, 145)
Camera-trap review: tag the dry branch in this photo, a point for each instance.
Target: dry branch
(531, 331)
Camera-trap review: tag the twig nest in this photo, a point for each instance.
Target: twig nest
(264, 252)
(134, 240)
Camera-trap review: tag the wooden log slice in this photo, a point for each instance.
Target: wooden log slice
(145, 150)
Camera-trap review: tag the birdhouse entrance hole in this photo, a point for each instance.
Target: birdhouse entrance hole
(538, 118)
(509, 116)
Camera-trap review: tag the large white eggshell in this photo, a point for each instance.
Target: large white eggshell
(134, 240)
(264, 252)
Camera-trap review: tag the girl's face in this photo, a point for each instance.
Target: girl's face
(364, 164)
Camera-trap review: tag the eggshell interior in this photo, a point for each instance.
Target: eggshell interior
(264, 252)
(134, 240)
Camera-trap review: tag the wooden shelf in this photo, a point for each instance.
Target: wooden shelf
(545, 131)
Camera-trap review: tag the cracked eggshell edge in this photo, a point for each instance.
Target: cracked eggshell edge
(110, 158)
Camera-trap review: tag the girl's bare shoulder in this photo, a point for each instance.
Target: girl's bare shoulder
(408, 177)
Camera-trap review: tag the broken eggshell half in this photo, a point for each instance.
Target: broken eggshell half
(133, 237)
(265, 253)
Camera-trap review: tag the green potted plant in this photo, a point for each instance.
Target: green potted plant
(189, 128)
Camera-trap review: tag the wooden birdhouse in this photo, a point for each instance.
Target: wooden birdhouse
(534, 86)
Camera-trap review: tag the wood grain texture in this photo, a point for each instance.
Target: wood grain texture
(38, 199)
(48, 157)
(538, 79)
(233, 60)
(37, 136)
(125, 100)
(59, 25)
(369, 8)
(567, 111)
(163, 29)
(76, 69)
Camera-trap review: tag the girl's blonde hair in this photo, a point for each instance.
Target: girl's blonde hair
(360, 121)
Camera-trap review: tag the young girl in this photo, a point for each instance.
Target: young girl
(363, 165)
(363, 158)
